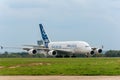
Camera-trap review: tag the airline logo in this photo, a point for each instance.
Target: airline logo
(44, 36)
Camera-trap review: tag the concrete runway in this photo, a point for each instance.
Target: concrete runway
(59, 77)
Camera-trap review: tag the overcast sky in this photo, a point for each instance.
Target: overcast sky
(94, 21)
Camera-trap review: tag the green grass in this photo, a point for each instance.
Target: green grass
(59, 66)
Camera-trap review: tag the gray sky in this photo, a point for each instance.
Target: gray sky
(94, 21)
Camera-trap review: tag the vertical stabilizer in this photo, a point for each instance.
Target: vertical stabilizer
(44, 36)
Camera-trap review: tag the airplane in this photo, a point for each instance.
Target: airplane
(62, 48)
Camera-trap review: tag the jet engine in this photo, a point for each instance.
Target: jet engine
(95, 51)
(98, 50)
(52, 53)
(92, 52)
(32, 51)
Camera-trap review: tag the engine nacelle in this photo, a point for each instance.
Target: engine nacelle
(92, 52)
(32, 51)
(98, 50)
(52, 53)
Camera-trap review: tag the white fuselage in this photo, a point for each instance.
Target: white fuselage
(71, 46)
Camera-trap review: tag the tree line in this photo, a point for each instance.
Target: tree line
(109, 53)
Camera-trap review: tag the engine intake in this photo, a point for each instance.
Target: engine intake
(52, 53)
(32, 51)
(96, 51)
(92, 52)
(99, 50)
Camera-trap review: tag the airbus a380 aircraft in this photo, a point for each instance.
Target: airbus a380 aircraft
(62, 48)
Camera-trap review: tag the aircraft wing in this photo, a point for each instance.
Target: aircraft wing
(46, 49)
(29, 47)
(58, 50)
(10, 47)
(37, 47)
(34, 45)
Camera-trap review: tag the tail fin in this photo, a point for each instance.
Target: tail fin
(44, 36)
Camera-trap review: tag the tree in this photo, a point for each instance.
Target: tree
(112, 53)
